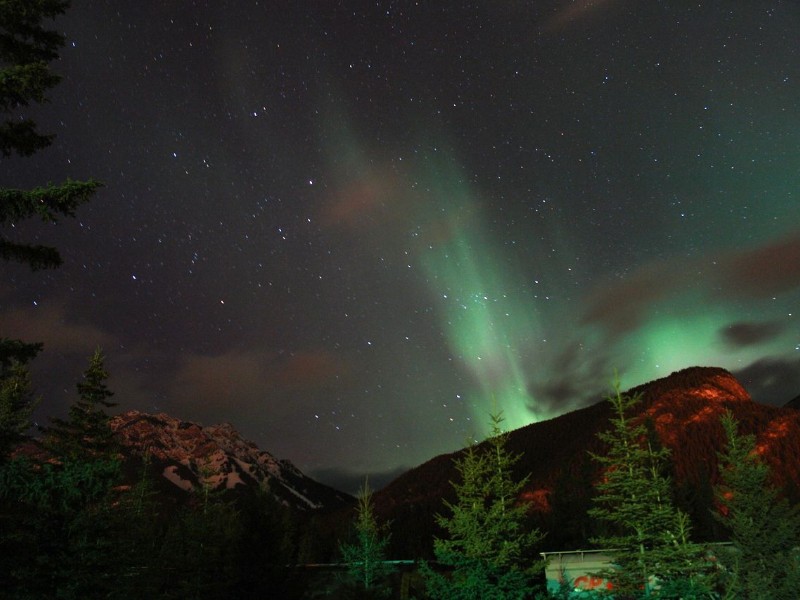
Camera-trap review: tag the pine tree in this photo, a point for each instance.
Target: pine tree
(15, 352)
(650, 539)
(56, 539)
(764, 528)
(201, 546)
(487, 546)
(16, 394)
(26, 48)
(366, 556)
(268, 543)
(86, 432)
(139, 523)
(61, 511)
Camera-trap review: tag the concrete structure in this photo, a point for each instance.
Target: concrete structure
(576, 568)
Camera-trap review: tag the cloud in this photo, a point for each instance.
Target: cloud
(621, 306)
(742, 334)
(765, 271)
(310, 370)
(573, 12)
(771, 380)
(573, 380)
(762, 272)
(686, 310)
(49, 324)
(247, 377)
(222, 380)
(361, 203)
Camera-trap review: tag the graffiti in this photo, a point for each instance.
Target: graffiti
(590, 582)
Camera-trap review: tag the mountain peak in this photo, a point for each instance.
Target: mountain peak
(684, 409)
(189, 455)
(712, 384)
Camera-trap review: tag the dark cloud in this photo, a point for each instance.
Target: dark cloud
(220, 378)
(562, 394)
(622, 305)
(575, 379)
(744, 334)
(765, 271)
(309, 370)
(243, 376)
(55, 329)
(574, 13)
(771, 380)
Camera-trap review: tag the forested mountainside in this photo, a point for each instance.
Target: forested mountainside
(683, 413)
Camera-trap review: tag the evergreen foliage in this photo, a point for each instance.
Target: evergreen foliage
(139, 522)
(26, 48)
(69, 529)
(648, 536)
(16, 395)
(86, 431)
(764, 528)
(366, 555)
(56, 539)
(15, 352)
(487, 546)
(269, 541)
(59, 508)
(16, 406)
(200, 546)
(66, 529)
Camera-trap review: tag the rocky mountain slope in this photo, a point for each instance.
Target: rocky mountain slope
(189, 455)
(683, 410)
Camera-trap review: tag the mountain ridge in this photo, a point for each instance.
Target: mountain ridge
(682, 409)
(189, 455)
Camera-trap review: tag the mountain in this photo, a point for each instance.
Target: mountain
(188, 454)
(793, 403)
(682, 409)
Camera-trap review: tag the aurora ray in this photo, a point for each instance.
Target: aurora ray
(489, 321)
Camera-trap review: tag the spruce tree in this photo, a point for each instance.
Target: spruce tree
(488, 547)
(366, 555)
(139, 522)
(649, 537)
(201, 545)
(16, 394)
(61, 510)
(764, 528)
(86, 432)
(26, 48)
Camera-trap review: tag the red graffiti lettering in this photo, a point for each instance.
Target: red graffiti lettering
(587, 582)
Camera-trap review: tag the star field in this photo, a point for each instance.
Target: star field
(351, 229)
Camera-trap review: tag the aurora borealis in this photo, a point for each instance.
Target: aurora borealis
(351, 229)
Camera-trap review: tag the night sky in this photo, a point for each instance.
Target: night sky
(352, 229)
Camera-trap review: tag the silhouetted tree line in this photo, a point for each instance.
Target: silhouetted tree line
(71, 526)
(487, 548)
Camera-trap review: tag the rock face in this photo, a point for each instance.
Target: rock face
(189, 455)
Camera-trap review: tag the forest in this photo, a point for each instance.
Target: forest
(81, 520)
